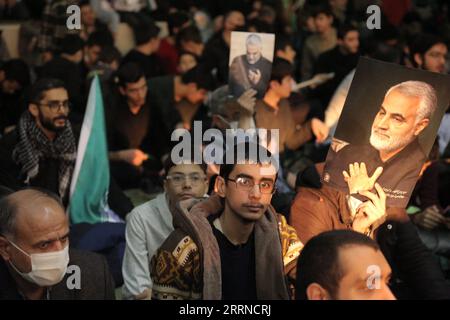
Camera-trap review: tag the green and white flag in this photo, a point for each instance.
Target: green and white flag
(90, 182)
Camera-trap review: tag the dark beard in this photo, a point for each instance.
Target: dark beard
(49, 125)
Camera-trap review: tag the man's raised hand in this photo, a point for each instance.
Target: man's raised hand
(357, 178)
(371, 210)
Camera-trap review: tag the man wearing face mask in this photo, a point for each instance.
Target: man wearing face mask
(41, 152)
(34, 246)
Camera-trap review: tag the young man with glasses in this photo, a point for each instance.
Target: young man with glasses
(41, 150)
(233, 245)
(149, 224)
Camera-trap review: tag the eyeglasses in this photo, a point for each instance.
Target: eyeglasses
(247, 184)
(434, 54)
(194, 178)
(55, 105)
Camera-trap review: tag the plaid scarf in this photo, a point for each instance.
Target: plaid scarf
(34, 145)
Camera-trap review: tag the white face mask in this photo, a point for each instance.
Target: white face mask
(47, 269)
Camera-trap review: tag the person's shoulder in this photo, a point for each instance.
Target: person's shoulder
(266, 61)
(132, 54)
(160, 84)
(284, 105)
(9, 140)
(95, 280)
(238, 58)
(146, 210)
(86, 259)
(343, 148)
(311, 40)
(308, 194)
(329, 54)
(416, 151)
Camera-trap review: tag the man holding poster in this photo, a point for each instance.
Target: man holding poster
(404, 113)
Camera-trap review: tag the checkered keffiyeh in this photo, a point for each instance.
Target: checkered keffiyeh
(34, 145)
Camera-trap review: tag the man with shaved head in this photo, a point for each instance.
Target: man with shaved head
(36, 262)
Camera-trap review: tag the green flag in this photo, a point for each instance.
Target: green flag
(90, 181)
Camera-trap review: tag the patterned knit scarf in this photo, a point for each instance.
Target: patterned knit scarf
(34, 145)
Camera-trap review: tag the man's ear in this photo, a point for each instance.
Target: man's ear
(2, 75)
(316, 292)
(206, 185)
(220, 186)
(420, 126)
(418, 59)
(34, 110)
(122, 90)
(4, 248)
(165, 185)
(331, 19)
(273, 84)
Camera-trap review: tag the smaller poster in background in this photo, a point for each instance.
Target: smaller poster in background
(250, 64)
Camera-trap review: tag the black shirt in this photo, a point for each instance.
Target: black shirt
(238, 266)
(400, 173)
(333, 61)
(216, 56)
(133, 127)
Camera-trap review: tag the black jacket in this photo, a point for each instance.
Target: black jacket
(415, 272)
(96, 281)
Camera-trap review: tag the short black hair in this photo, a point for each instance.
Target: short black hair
(145, 31)
(18, 70)
(319, 260)
(71, 44)
(260, 26)
(176, 20)
(323, 8)
(280, 69)
(344, 29)
(108, 54)
(198, 75)
(381, 51)
(42, 85)
(129, 72)
(190, 33)
(181, 53)
(84, 3)
(100, 38)
(282, 41)
(254, 152)
(422, 44)
(168, 164)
